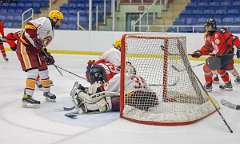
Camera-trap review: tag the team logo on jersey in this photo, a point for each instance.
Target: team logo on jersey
(216, 35)
(217, 41)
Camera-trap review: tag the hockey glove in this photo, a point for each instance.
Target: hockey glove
(196, 54)
(47, 57)
(238, 53)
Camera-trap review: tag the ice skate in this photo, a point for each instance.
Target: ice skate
(237, 80)
(208, 87)
(50, 97)
(29, 102)
(5, 58)
(226, 86)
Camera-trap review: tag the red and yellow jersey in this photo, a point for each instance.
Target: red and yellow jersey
(2, 28)
(220, 43)
(38, 29)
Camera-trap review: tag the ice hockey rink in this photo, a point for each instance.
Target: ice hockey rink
(48, 125)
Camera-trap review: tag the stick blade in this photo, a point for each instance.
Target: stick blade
(229, 104)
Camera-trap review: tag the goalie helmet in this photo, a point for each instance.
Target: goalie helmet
(95, 73)
(211, 22)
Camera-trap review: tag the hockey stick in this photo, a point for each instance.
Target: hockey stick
(45, 53)
(81, 77)
(230, 105)
(171, 84)
(60, 72)
(64, 108)
(211, 100)
(181, 70)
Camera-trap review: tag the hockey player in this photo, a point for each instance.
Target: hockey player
(11, 39)
(104, 97)
(219, 46)
(33, 55)
(1, 41)
(109, 62)
(234, 72)
(113, 55)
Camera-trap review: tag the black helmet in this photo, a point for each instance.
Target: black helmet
(95, 73)
(213, 23)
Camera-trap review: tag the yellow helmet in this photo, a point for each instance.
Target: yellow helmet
(117, 44)
(55, 14)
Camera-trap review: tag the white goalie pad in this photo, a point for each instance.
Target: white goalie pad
(89, 100)
(97, 102)
(93, 88)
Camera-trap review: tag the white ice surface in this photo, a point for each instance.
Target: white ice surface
(47, 125)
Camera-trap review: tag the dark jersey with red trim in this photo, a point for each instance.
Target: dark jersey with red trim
(110, 69)
(220, 43)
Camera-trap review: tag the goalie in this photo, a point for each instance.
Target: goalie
(109, 60)
(103, 96)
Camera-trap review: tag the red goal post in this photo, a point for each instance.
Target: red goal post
(162, 61)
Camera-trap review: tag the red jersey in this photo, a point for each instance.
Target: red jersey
(110, 69)
(219, 43)
(2, 28)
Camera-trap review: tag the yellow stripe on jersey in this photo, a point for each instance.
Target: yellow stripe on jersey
(30, 26)
(25, 57)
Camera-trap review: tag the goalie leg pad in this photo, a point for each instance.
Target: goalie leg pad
(101, 106)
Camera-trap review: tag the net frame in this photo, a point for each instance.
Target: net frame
(166, 54)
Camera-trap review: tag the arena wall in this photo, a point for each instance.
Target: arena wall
(95, 42)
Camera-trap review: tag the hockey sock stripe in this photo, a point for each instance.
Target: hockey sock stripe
(30, 83)
(45, 83)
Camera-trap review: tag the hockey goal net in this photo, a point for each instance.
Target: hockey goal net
(176, 95)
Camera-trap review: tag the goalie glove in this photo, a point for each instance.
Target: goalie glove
(96, 87)
(196, 54)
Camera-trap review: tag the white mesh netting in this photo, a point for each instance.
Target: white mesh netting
(176, 95)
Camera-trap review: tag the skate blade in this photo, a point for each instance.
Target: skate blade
(50, 100)
(209, 90)
(28, 105)
(228, 89)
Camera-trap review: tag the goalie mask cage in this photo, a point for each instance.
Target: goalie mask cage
(177, 96)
